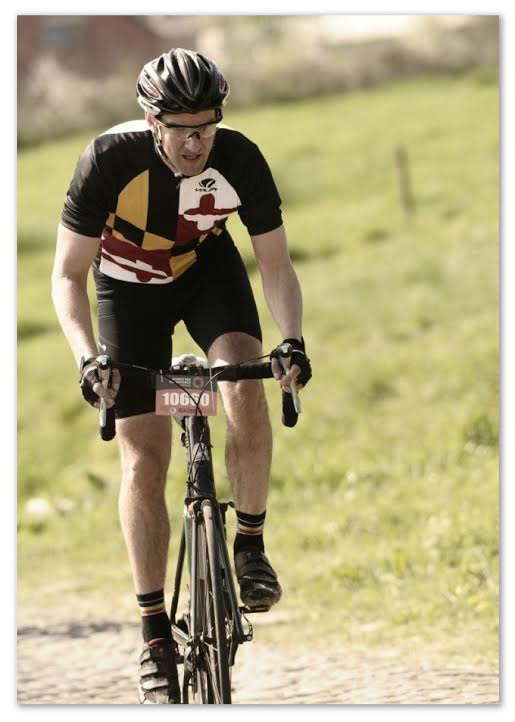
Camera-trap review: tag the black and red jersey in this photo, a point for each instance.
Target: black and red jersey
(148, 219)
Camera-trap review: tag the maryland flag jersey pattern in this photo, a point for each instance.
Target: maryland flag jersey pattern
(151, 222)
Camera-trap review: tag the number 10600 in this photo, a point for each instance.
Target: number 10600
(175, 398)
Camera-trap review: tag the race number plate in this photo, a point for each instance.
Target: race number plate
(185, 396)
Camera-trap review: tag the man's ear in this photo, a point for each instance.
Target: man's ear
(150, 119)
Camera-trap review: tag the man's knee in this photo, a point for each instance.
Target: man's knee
(249, 396)
(232, 348)
(143, 471)
(244, 398)
(246, 410)
(145, 443)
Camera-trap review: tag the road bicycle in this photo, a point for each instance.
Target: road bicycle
(208, 634)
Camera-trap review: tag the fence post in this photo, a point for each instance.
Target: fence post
(406, 191)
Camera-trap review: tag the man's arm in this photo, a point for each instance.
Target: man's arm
(280, 286)
(73, 258)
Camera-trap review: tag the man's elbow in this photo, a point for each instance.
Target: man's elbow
(62, 283)
(57, 282)
(279, 267)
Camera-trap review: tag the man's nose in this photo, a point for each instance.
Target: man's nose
(193, 141)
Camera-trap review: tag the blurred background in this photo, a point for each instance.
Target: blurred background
(382, 133)
(79, 70)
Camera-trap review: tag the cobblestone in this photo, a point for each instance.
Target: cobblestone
(95, 662)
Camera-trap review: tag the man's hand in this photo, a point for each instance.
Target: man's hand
(300, 369)
(92, 387)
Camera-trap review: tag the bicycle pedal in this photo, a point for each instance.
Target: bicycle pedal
(254, 610)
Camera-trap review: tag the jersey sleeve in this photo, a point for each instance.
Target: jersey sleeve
(89, 198)
(260, 210)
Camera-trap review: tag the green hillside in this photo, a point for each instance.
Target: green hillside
(383, 512)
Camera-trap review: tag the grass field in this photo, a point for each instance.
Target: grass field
(383, 511)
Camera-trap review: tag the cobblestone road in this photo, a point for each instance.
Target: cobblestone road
(95, 662)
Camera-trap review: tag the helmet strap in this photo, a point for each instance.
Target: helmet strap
(161, 153)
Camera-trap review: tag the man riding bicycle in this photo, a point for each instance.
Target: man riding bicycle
(147, 208)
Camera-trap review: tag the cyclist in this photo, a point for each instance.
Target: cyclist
(147, 209)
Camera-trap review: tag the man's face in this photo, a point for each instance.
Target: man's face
(189, 155)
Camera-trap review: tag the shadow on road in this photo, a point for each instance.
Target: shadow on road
(74, 629)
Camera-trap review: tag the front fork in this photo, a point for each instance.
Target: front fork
(196, 439)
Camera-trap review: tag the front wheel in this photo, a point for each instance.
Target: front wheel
(213, 680)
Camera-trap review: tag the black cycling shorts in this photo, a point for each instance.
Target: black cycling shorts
(136, 321)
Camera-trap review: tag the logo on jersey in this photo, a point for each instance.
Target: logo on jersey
(208, 184)
(200, 214)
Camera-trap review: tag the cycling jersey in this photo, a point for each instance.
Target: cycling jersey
(151, 221)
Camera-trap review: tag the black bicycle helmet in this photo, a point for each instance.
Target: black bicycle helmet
(181, 81)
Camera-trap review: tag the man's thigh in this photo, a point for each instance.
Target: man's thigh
(136, 329)
(222, 302)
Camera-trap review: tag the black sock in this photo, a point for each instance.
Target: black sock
(249, 531)
(154, 619)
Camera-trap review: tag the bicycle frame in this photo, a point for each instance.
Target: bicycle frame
(201, 486)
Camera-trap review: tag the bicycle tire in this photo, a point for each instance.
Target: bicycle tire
(213, 671)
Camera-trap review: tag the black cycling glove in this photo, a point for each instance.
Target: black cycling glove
(299, 358)
(89, 376)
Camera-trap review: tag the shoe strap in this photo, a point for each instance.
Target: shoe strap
(254, 566)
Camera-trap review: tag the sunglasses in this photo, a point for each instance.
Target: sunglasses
(183, 132)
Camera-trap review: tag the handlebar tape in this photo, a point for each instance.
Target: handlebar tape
(290, 416)
(108, 432)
